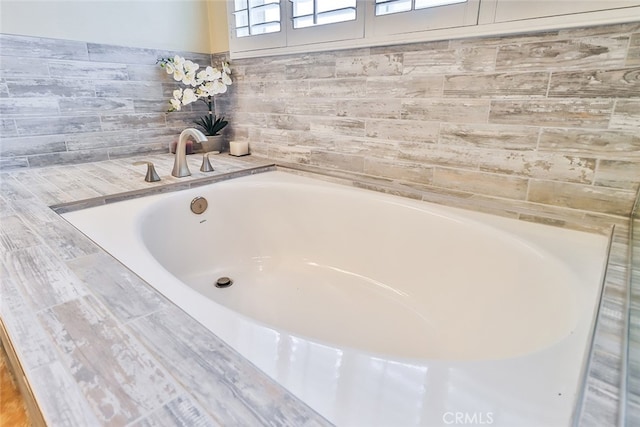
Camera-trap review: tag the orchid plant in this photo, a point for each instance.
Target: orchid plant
(201, 84)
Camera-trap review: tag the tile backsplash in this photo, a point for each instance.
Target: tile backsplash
(65, 102)
(549, 118)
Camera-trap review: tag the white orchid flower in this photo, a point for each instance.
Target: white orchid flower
(188, 96)
(189, 79)
(206, 88)
(177, 94)
(211, 74)
(190, 67)
(226, 79)
(218, 87)
(169, 68)
(178, 61)
(178, 75)
(175, 104)
(200, 76)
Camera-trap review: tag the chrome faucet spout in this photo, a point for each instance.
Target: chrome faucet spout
(180, 167)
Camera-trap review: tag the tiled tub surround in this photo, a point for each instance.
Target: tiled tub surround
(67, 102)
(424, 333)
(541, 127)
(99, 346)
(551, 118)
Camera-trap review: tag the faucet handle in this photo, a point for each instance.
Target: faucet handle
(152, 175)
(206, 164)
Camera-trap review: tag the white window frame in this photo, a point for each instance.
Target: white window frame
(338, 31)
(256, 41)
(411, 21)
(473, 22)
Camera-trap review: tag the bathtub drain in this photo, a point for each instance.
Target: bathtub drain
(224, 282)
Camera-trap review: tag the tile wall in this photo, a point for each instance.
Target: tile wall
(65, 102)
(549, 118)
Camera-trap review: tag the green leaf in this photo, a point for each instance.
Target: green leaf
(211, 124)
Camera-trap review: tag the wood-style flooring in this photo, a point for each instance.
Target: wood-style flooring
(12, 407)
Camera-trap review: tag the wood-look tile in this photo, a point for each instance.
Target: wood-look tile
(409, 86)
(461, 60)
(600, 143)
(57, 125)
(403, 171)
(505, 137)
(51, 87)
(335, 160)
(548, 112)
(339, 88)
(19, 317)
(20, 107)
(371, 65)
(60, 399)
(618, 174)
(42, 277)
(87, 70)
(32, 145)
(619, 83)
(311, 70)
(403, 130)
(633, 55)
(67, 244)
(180, 411)
(446, 110)
(436, 154)
(113, 370)
(481, 183)
(124, 293)
(310, 106)
(626, 115)
(497, 85)
(25, 67)
(175, 337)
(291, 154)
(541, 165)
(34, 213)
(14, 234)
(598, 52)
(586, 197)
(379, 148)
(43, 48)
(130, 122)
(339, 126)
(373, 109)
(7, 127)
(92, 105)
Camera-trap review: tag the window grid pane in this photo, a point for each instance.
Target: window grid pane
(256, 17)
(386, 7)
(307, 13)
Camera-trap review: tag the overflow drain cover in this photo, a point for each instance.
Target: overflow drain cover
(224, 282)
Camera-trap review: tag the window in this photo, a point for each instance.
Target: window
(307, 13)
(385, 7)
(307, 25)
(256, 17)
(408, 16)
(255, 24)
(321, 21)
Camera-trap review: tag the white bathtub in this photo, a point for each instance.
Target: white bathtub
(373, 309)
